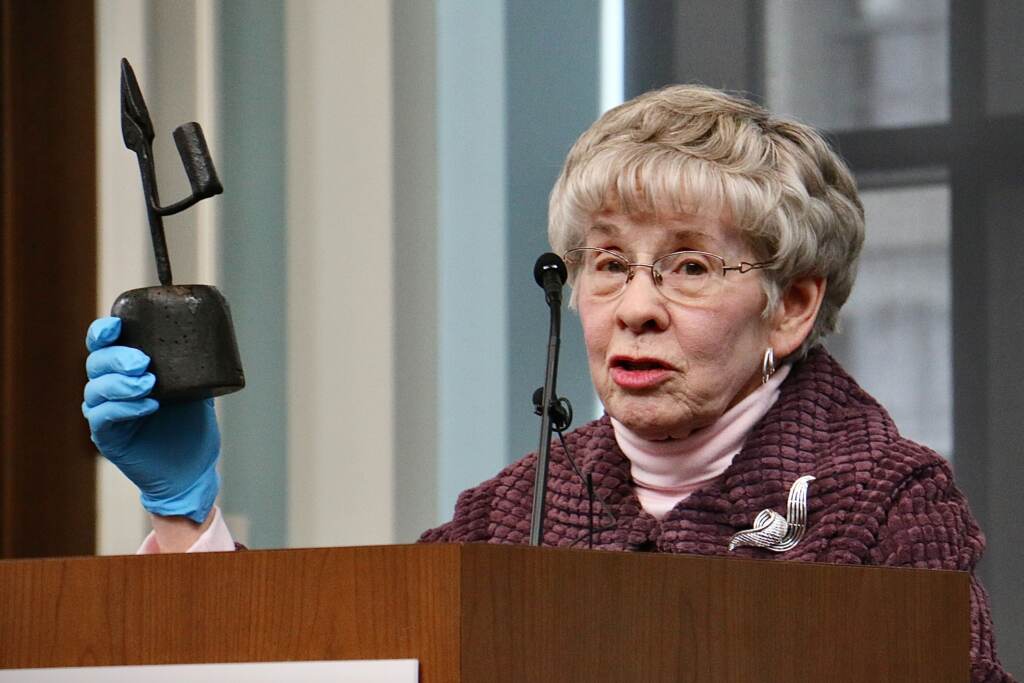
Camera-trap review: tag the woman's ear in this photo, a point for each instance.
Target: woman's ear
(796, 313)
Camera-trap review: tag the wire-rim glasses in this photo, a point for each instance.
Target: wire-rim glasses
(681, 276)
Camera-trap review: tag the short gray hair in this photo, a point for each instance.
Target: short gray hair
(688, 149)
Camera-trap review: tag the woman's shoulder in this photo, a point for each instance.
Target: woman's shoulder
(826, 406)
(825, 425)
(499, 508)
(864, 468)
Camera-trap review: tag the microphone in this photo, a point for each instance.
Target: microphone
(560, 410)
(550, 273)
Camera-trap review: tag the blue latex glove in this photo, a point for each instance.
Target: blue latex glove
(170, 451)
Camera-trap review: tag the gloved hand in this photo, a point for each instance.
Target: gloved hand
(170, 451)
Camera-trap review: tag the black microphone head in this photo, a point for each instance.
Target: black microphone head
(550, 263)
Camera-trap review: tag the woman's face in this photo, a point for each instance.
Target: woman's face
(664, 368)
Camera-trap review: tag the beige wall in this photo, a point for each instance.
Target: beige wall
(339, 222)
(176, 70)
(340, 466)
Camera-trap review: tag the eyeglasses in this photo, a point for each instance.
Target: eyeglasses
(682, 276)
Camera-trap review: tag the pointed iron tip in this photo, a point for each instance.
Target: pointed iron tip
(134, 114)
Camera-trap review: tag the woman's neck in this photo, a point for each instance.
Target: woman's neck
(666, 472)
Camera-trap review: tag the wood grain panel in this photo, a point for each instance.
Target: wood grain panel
(488, 614)
(47, 275)
(359, 603)
(592, 615)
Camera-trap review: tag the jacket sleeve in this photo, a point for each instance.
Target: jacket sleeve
(471, 521)
(929, 526)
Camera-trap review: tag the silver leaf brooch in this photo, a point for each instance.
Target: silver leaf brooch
(773, 531)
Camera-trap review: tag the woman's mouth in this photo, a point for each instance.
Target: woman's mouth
(638, 373)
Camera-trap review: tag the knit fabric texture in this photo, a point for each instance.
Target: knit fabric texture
(878, 499)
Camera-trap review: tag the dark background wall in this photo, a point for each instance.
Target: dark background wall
(47, 276)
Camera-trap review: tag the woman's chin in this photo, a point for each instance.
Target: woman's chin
(649, 423)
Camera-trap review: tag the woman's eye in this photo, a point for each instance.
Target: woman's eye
(690, 267)
(686, 266)
(608, 264)
(694, 268)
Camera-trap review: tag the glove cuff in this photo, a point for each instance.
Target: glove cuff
(195, 502)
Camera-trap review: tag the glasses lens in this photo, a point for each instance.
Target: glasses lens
(689, 274)
(603, 272)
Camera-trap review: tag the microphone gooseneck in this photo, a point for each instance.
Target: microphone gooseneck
(550, 273)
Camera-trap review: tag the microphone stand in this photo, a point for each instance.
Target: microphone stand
(540, 484)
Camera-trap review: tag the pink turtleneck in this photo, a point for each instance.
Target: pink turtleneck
(666, 472)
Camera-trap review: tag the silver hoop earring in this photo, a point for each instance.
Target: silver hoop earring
(768, 365)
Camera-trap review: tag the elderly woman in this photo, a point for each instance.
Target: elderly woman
(710, 248)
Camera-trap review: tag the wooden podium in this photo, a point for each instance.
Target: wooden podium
(486, 613)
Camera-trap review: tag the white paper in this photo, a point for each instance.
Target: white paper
(353, 671)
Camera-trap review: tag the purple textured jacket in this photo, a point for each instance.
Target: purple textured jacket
(878, 499)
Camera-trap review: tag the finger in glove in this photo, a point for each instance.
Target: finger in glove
(117, 359)
(117, 387)
(102, 332)
(111, 412)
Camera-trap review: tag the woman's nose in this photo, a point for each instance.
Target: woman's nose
(641, 306)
